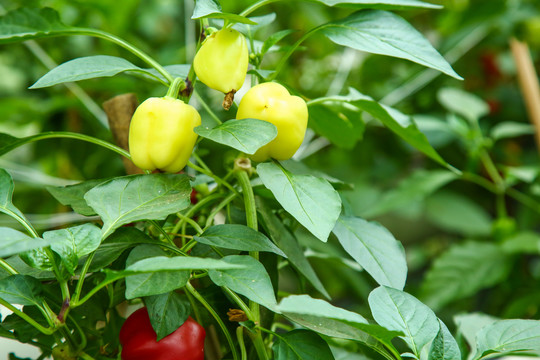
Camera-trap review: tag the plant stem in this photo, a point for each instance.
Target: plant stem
(217, 209)
(162, 231)
(216, 178)
(175, 88)
(239, 302)
(207, 108)
(251, 219)
(524, 199)
(289, 52)
(71, 135)
(249, 199)
(255, 6)
(240, 337)
(77, 294)
(7, 267)
(499, 183)
(492, 170)
(193, 210)
(191, 222)
(134, 50)
(216, 317)
(28, 319)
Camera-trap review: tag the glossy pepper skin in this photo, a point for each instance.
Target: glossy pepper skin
(161, 134)
(273, 103)
(138, 340)
(222, 61)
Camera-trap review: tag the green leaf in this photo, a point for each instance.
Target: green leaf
(375, 249)
(462, 271)
(152, 283)
(205, 7)
(468, 325)
(86, 68)
(526, 173)
(6, 195)
(506, 337)
(13, 242)
(470, 106)
(246, 135)
(380, 4)
(162, 263)
(510, 129)
(400, 124)
(444, 346)
(212, 9)
(261, 21)
(327, 319)
(306, 305)
(167, 312)
(310, 200)
(251, 280)
(457, 213)
(38, 259)
(399, 311)
(138, 197)
(301, 344)
(522, 243)
(289, 245)
(274, 39)
(26, 23)
(73, 243)
(340, 122)
(21, 289)
(363, 31)
(237, 237)
(299, 168)
(412, 189)
(112, 247)
(73, 195)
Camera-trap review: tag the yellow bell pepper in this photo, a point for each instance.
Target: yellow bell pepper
(272, 102)
(222, 61)
(161, 134)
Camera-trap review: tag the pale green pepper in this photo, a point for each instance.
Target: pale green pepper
(272, 102)
(161, 134)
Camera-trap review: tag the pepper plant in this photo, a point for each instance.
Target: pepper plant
(204, 247)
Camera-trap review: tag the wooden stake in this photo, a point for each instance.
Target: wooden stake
(528, 82)
(119, 111)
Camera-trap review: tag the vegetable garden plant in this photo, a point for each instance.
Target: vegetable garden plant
(203, 247)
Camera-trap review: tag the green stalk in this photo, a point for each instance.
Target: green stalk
(28, 319)
(77, 294)
(207, 108)
(251, 219)
(191, 222)
(257, 5)
(216, 178)
(7, 267)
(162, 231)
(289, 52)
(193, 210)
(71, 135)
(249, 199)
(134, 50)
(499, 183)
(212, 312)
(175, 88)
(239, 302)
(217, 209)
(240, 337)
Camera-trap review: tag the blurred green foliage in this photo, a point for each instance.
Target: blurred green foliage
(474, 34)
